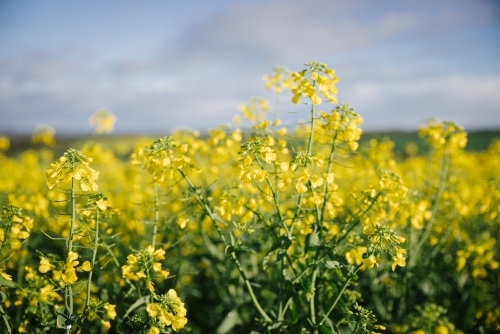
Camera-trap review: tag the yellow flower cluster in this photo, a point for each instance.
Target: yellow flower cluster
(480, 255)
(140, 264)
(45, 265)
(383, 240)
(444, 134)
(317, 77)
(16, 226)
(254, 110)
(97, 307)
(340, 125)
(4, 143)
(69, 271)
(279, 80)
(249, 167)
(102, 121)
(72, 165)
(36, 296)
(167, 310)
(162, 158)
(44, 135)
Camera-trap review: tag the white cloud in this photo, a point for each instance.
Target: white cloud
(468, 100)
(390, 71)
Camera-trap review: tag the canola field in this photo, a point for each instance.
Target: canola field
(252, 228)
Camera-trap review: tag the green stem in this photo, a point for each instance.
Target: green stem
(312, 305)
(94, 255)
(156, 218)
(210, 214)
(68, 291)
(428, 227)
(311, 135)
(5, 319)
(275, 198)
(339, 295)
(328, 171)
(309, 152)
(117, 263)
(355, 223)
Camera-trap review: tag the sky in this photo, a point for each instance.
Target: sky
(158, 65)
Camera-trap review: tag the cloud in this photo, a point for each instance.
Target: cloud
(467, 100)
(400, 63)
(286, 31)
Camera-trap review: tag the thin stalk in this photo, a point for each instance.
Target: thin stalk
(280, 308)
(428, 227)
(311, 135)
(309, 152)
(339, 295)
(312, 305)
(68, 291)
(94, 255)
(404, 284)
(276, 106)
(328, 171)
(440, 245)
(275, 198)
(5, 320)
(117, 263)
(156, 218)
(355, 223)
(210, 214)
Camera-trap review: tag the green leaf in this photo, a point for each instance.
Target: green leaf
(314, 240)
(229, 322)
(282, 242)
(325, 330)
(333, 264)
(4, 282)
(244, 249)
(3, 297)
(142, 300)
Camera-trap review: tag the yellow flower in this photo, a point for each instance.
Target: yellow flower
(316, 181)
(441, 329)
(23, 235)
(44, 135)
(45, 266)
(69, 276)
(370, 261)
(369, 229)
(159, 254)
(150, 286)
(72, 256)
(47, 293)
(301, 188)
(102, 121)
(131, 259)
(6, 276)
(153, 309)
(86, 266)
(4, 143)
(355, 255)
(102, 204)
(154, 330)
(105, 324)
(157, 266)
(110, 309)
(399, 259)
